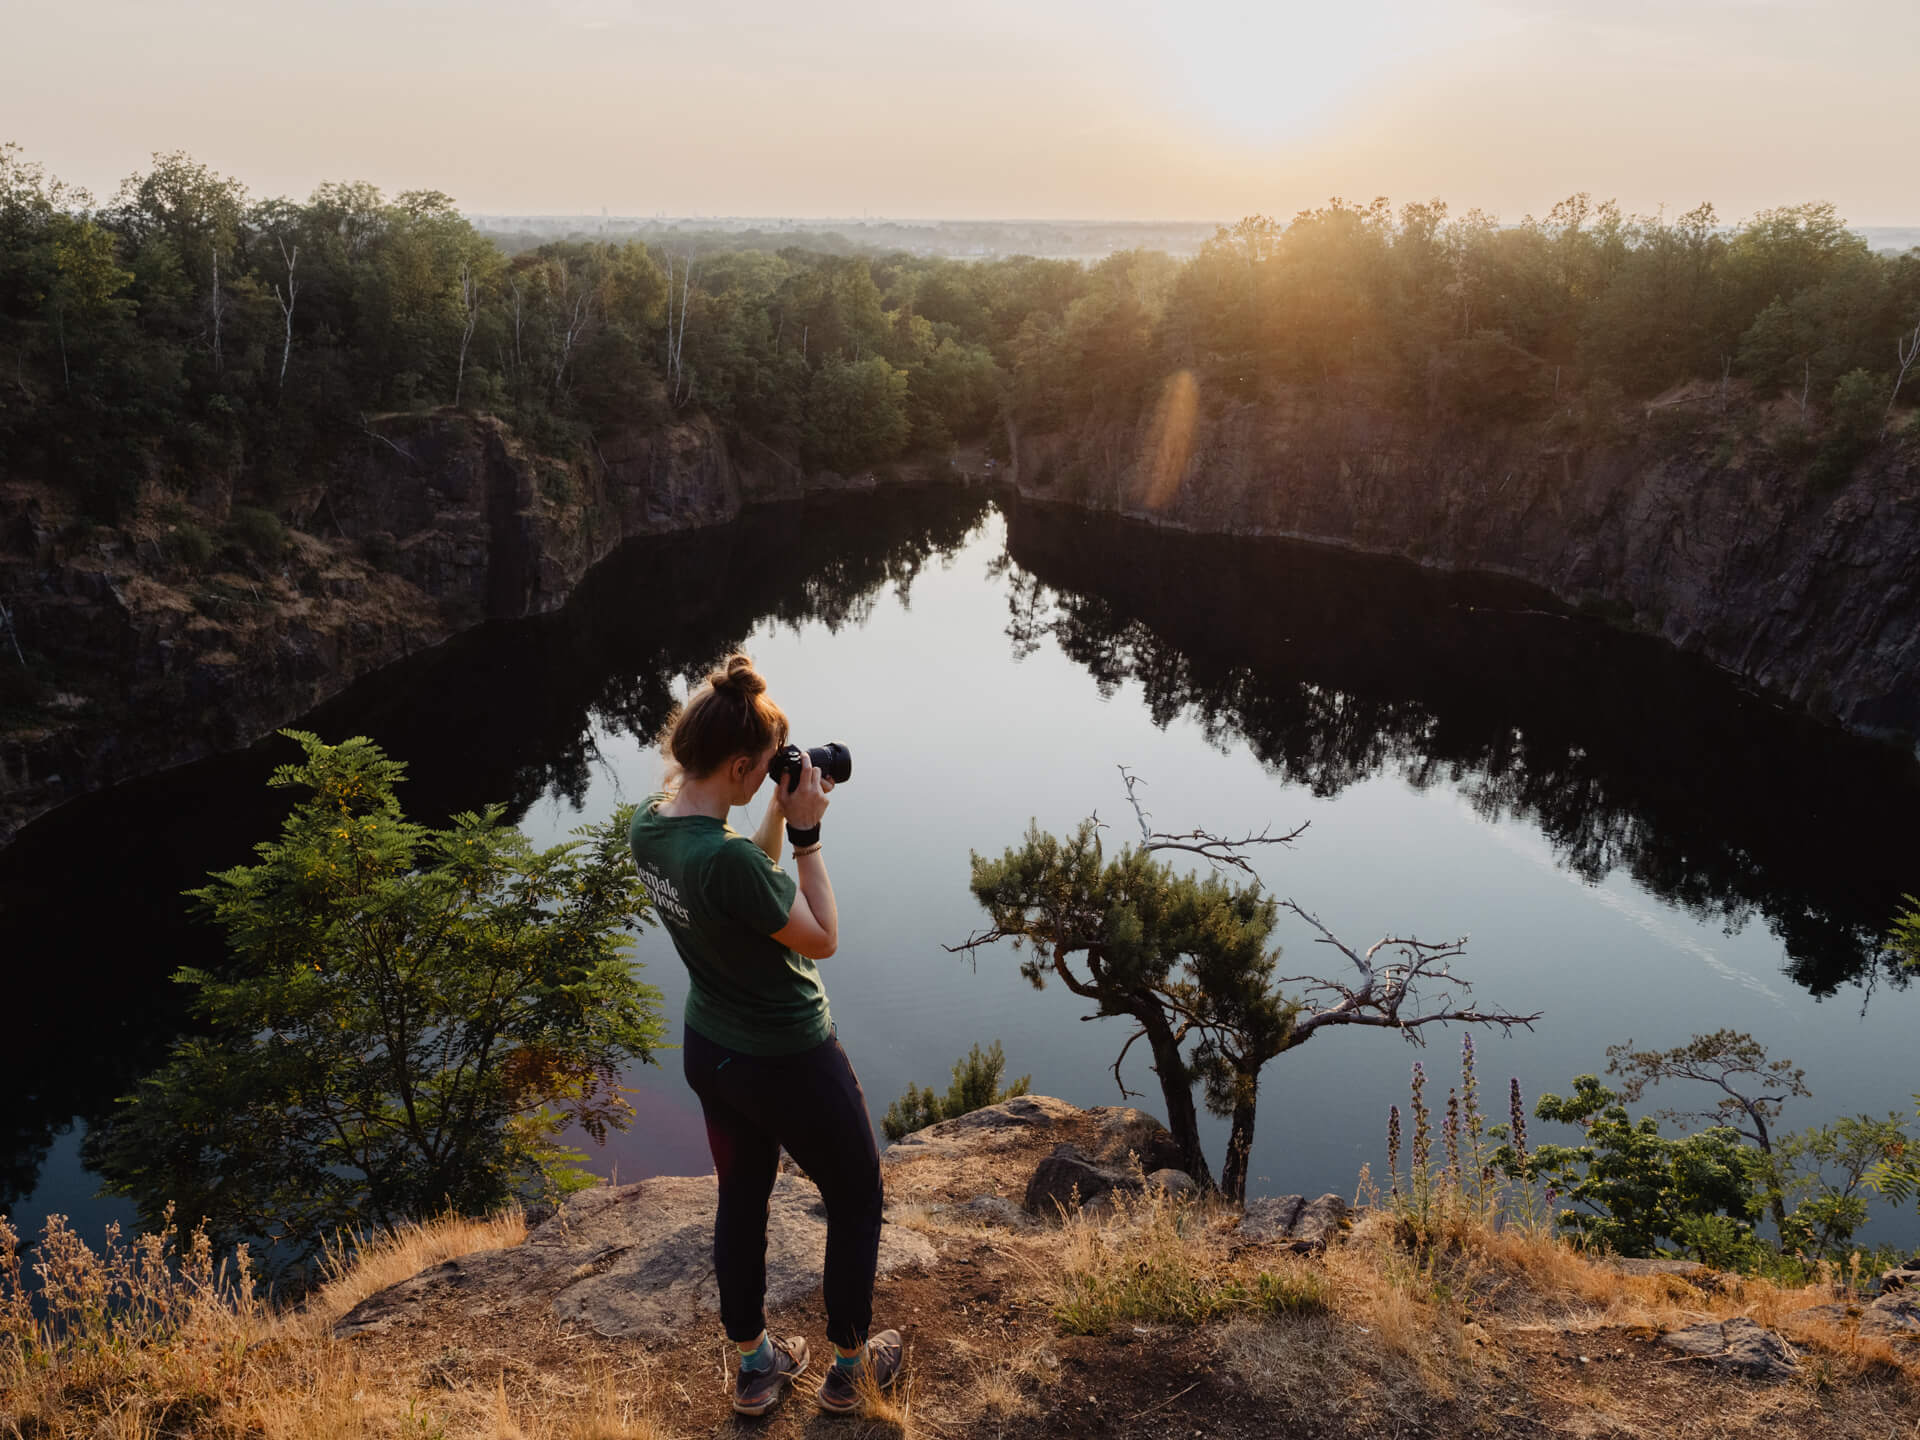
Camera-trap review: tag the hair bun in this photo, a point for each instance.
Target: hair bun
(738, 677)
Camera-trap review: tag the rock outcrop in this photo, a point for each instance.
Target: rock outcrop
(629, 1262)
(1739, 1346)
(635, 1261)
(1069, 1179)
(435, 524)
(1891, 1309)
(439, 521)
(1303, 1226)
(1717, 544)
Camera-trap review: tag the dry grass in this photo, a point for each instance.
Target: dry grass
(1459, 1326)
(1008, 1384)
(157, 1338)
(1417, 1326)
(407, 1249)
(606, 1414)
(1158, 1259)
(887, 1414)
(1532, 1280)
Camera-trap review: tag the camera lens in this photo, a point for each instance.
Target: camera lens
(834, 761)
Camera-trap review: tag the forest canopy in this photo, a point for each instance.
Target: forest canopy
(184, 325)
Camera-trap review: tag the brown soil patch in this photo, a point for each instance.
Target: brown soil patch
(985, 1358)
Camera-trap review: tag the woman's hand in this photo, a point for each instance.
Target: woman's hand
(806, 802)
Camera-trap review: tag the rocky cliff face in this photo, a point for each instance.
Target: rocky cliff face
(437, 523)
(1707, 538)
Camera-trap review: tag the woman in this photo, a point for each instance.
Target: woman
(760, 1049)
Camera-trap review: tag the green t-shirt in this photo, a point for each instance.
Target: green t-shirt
(721, 899)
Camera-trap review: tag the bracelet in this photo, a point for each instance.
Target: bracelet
(813, 849)
(797, 838)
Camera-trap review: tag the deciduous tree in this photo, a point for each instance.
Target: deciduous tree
(410, 1018)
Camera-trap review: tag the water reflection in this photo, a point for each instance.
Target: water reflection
(1627, 756)
(1330, 668)
(90, 896)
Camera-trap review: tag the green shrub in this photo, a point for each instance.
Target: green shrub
(1793, 442)
(192, 546)
(1637, 1192)
(259, 531)
(1898, 1175)
(1854, 418)
(457, 998)
(1674, 429)
(381, 551)
(1904, 941)
(21, 690)
(975, 1085)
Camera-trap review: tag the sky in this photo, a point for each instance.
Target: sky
(1110, 109)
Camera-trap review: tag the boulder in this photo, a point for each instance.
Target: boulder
(1692, 1272)
(1319, 1224)
(1176, 1184)
(1739, 1346)
(995, 1210)
(630, 1261)
(1270, 1218)
(1904, 1276)
(1125, 1131)
(1896, 1313)
(983, 1129)
(1302, 1225)
(1070, 1177)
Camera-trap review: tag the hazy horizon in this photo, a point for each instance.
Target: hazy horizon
(1058, 112)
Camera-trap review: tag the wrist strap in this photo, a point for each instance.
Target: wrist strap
(797, 838)
(813, 849)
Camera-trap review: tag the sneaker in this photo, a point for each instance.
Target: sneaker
(754, 1391)
(839, 1393)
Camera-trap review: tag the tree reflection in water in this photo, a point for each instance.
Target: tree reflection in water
(1330, 668)
(90, 900)
(1333, 668)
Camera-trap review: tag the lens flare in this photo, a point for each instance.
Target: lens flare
(1163, 463)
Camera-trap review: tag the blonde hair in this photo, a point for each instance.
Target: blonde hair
(729, 714)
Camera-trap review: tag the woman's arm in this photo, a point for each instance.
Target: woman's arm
(813, 924)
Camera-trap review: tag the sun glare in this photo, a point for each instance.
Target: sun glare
(1278, 72)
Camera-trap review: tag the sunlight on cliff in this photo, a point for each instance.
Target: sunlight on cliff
(1163, 462)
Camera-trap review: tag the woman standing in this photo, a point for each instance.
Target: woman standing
(760, 1049)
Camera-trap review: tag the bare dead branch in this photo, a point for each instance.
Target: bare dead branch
(1908, 350)
(290, 258)
(977, 941)
(366, 428)
(1214, 849)
(470, 309)
(1125, 1093)
(1386, 988)
(6, 624)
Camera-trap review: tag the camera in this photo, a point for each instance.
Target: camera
(834, 761)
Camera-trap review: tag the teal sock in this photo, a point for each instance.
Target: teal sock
(760, 1358)
(849, 1362)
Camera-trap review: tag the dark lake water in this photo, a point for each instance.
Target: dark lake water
(1636, 846)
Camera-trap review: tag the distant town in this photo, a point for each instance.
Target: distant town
(953, 239)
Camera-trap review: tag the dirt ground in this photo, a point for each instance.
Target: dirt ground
(1494, 1348)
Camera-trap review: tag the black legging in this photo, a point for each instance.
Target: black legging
(812, 1104)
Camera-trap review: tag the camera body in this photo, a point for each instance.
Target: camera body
(832, 760)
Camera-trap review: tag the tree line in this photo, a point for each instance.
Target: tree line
(184, 325)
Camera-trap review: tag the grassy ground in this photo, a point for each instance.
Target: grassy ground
(1154, 1321)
